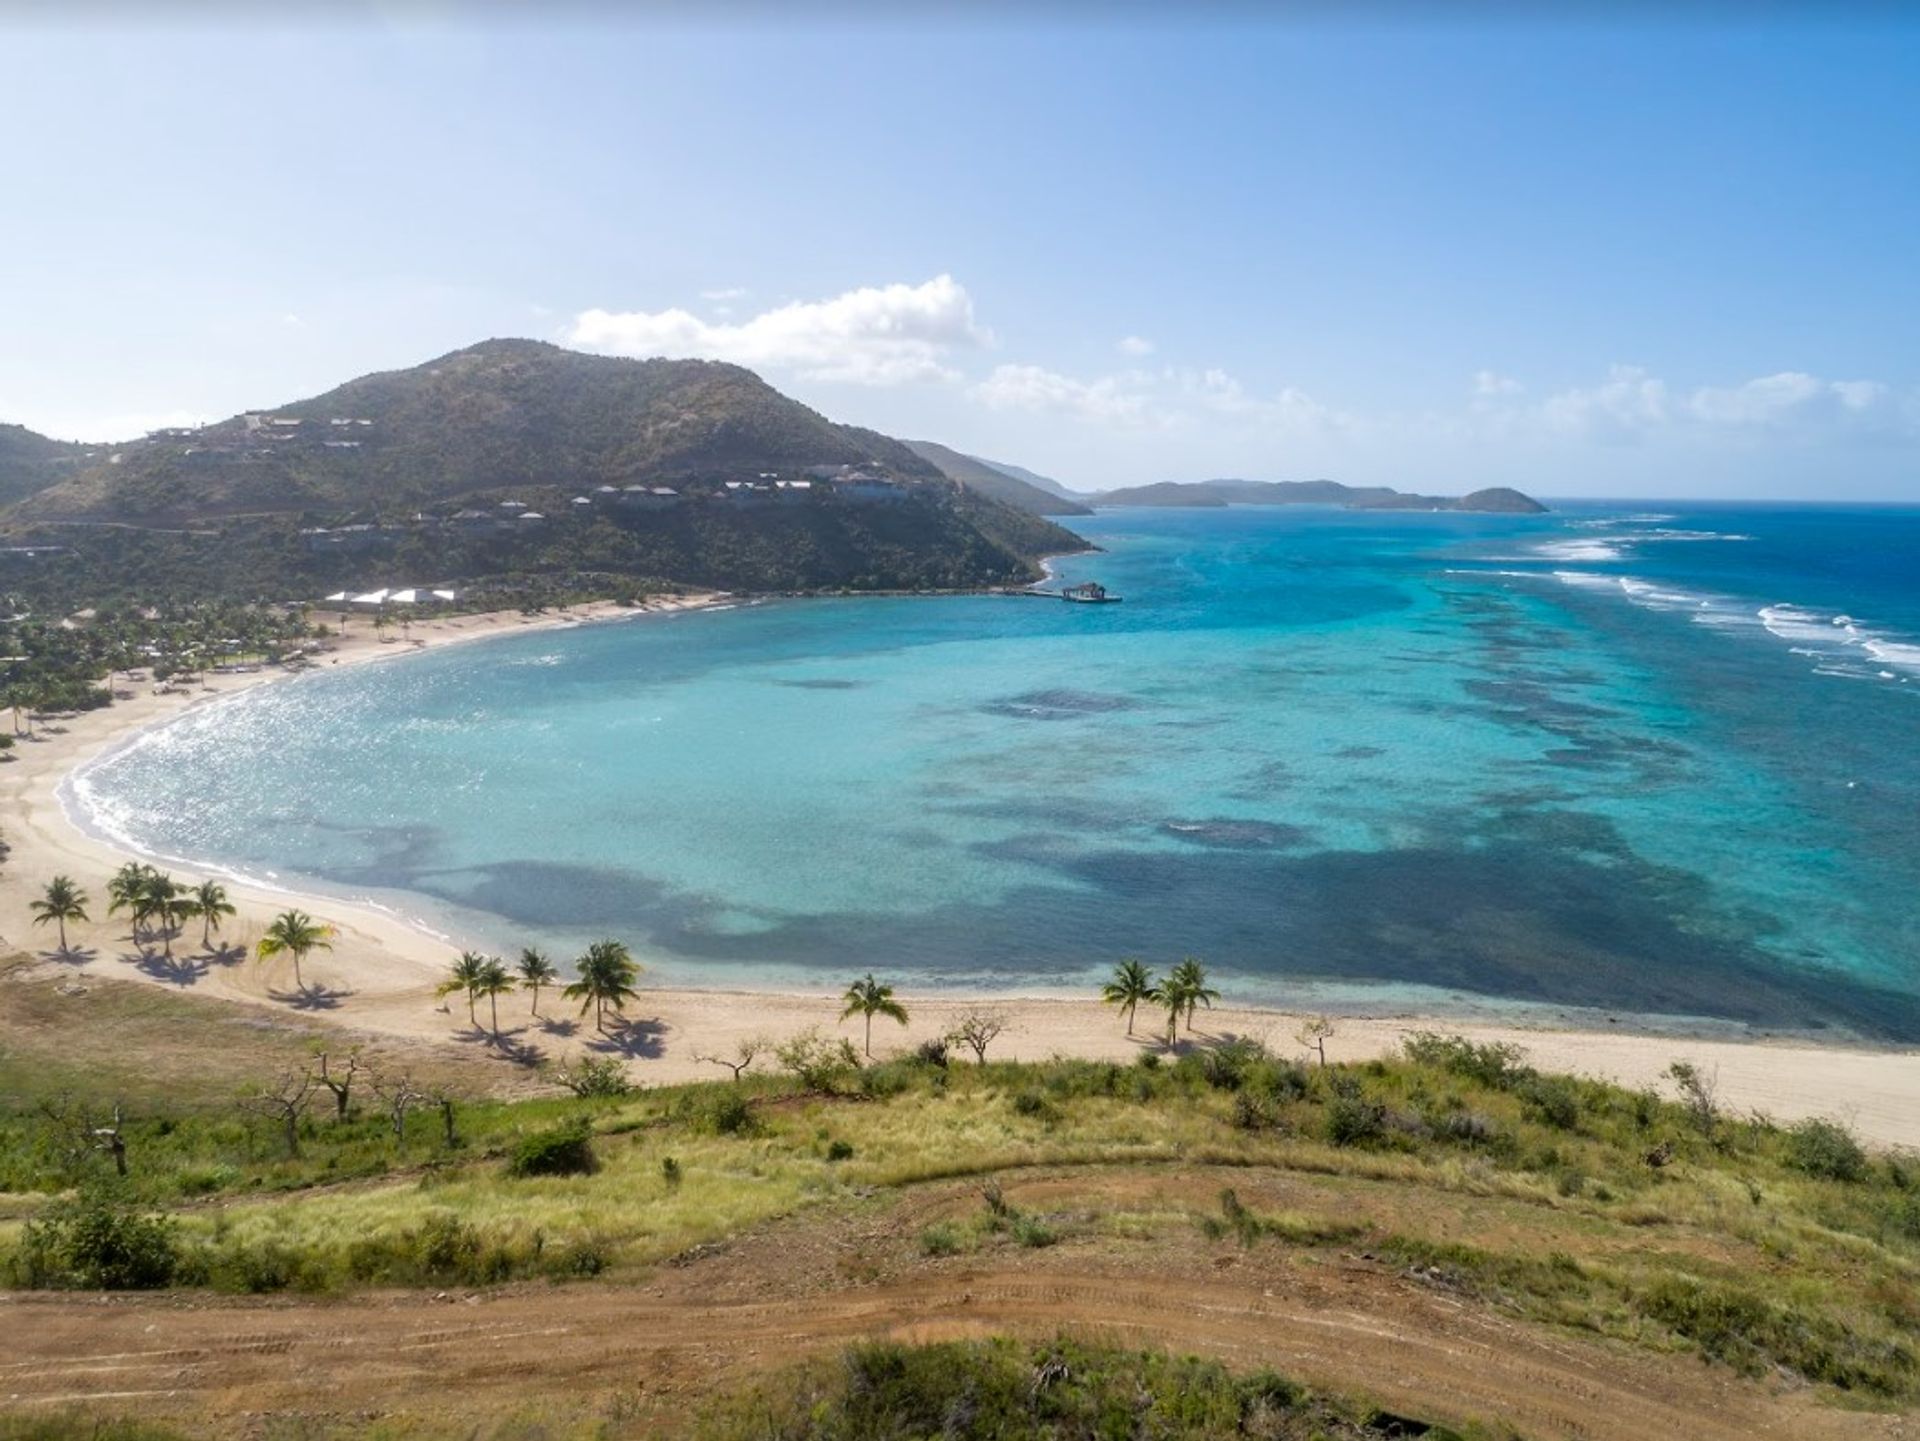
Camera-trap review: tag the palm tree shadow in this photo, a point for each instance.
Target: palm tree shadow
(523, 1053)
(174, 970)
(71, 955)
(221, 953)
(561, 1026)
(311, 998)
(635, 1040)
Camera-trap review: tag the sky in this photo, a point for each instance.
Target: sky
(1592, 256)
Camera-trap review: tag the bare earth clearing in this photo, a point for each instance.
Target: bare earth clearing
(649, 1353)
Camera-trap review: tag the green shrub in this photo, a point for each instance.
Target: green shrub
(1353, 1120)
(561, 1151)
(1826, 1150)
(1496, 1064)
(839, 1150)
(1032, 1232)
(97, 1241)
(1031, 1391)
(731, 1115)
(596, 1078)
(1553, 1100)
(942, 1239)
(1751, 1334)
(890, 1079)
(670, 1170)
(1033, 1103)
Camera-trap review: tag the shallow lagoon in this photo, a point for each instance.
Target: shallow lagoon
(1607, 760)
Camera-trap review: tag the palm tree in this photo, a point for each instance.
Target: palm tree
(493, 982)
(210, 903)
(536, 971)
(162, 898)
(125, 890)
(1132, 983)
(607, 973)
(870, 998)
(62, 901)
(465, 977)
(294, 933)
(1191, 978)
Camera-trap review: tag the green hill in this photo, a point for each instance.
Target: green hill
(30, 462)
(1032, 478)
(504, 413)
(990, 480)
(764, 493)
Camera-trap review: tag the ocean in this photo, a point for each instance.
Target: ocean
(1655, 764)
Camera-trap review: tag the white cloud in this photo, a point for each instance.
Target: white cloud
(1135, 345)
(1165, 399)
(1112, 398)
(1631, 404)
(877, 335)
(1787, 398)
(725, 292)
(1628, 402)
(1491, 383)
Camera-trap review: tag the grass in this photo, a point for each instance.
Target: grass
(1758, 1248)
(1027, 1391)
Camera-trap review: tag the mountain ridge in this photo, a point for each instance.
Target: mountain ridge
(988, 479)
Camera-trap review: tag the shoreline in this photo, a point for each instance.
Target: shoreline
(381, 975)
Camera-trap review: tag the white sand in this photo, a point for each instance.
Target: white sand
(384, 970)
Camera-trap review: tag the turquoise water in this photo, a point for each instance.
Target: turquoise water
(1600, 761)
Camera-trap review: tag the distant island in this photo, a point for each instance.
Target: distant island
(1496, 500)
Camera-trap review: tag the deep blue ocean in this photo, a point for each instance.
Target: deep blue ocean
(1622, 760)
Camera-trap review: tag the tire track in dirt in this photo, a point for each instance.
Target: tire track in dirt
(1414, 1353)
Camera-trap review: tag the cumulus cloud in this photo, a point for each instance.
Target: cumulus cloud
(1112, 398)
(1491, 383)
(1135, 345)
(1167, 398)
(877, 335)
(1631, 404)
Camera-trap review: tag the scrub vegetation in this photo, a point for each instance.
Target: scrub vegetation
(1766, 1249)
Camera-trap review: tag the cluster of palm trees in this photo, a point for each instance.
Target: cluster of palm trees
(608, 977)
(1184, 989)
(154, 900)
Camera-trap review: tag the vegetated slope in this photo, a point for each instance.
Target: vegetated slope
(30, 462)
(1213, 493)
(1032, 478)
(219, 510)
(988, 480)
(504, 413)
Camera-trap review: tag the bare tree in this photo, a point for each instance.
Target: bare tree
(1699, 1094)
(109, 1138)
(977, 1029)
(745, 1052)
(399, 1096)
(285, 1101)
(80, 1132)
(339, 1081)
(1314, 1033)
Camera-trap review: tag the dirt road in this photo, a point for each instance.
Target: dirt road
(1347, 1325)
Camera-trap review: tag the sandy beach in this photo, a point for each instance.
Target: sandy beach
(380, 975)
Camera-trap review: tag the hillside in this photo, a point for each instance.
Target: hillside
(1212, 493)
(990, 480)
(662, 472)
(1032, 478)
(30, 462)
(504, 413)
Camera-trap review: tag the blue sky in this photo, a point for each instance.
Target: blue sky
(1582, 258)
